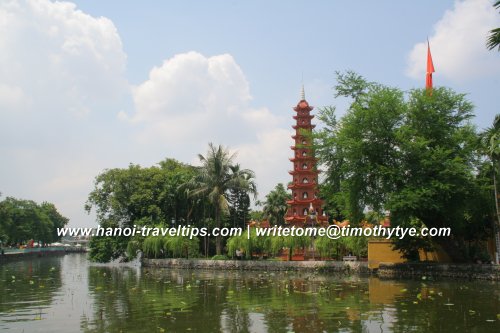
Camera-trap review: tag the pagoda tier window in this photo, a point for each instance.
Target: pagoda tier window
(305, 212)
(304, 166)
(304, 141)
(294, 212)
(305, 195)
(304, 153)
(294, 194)
(305, 180)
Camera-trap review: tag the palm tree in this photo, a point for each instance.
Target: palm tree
(215, 178)
(490, 140)
(239, 199)
(493, 40)
(275, 206)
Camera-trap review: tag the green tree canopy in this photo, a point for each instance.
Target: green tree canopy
(413, 154)
(140, 196)
(23, 220)
(239, 200)
(275, 206)
(215, 179)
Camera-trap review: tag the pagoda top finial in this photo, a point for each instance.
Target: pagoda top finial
(302, 94)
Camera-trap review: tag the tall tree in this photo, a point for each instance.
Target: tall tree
(275, 206)
(58, 221)
(215, 178)
(490, 140)
(360, 150)
(436, 182)
(239, 200)
(140, 196)
(415, 155)
(22, 220)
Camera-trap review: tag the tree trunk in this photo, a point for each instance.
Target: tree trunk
(218, 239)
(496, 228)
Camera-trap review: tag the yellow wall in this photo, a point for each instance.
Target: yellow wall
(438, 255)
(381, 251)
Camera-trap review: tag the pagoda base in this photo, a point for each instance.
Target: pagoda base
(306, 221)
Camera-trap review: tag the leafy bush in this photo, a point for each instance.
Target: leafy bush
(175, 246)
(220, 257)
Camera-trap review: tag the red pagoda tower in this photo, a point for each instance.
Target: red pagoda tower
(305, 208)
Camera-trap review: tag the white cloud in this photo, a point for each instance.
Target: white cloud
(55, 55)
(62, 77)
(191, 100)
(458, 44)
(268, 157)
(58, 68)
(188, 84)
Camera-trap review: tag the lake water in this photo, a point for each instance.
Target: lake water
(67, 294)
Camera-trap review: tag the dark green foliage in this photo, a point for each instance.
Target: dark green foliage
(127, 196)
(214, 181)
(275, 206)
(22, 220)
(414, 154)
(410, 245)
(239, 202)
(256, 215)
(142, 197)
(167, 195)
(360, 150)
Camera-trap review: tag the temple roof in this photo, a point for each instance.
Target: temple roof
(303, 105)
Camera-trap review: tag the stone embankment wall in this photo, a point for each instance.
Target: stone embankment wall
(385, 270)
(351, 267)
(38, 252)
(439, 270)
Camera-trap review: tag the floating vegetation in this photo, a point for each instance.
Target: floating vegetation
(178, 301)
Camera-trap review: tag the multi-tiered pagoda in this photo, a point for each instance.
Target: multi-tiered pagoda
(305, 208)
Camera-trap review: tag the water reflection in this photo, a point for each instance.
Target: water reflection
(28, 289)
(78, 297)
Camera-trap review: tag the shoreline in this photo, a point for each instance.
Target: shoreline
(385, 271)
(39, 252)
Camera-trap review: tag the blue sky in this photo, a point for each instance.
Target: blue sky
(90, 85)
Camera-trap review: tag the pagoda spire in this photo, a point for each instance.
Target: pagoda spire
(302, 93)
(305, 208)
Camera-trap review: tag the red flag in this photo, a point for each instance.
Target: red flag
(430, 69)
